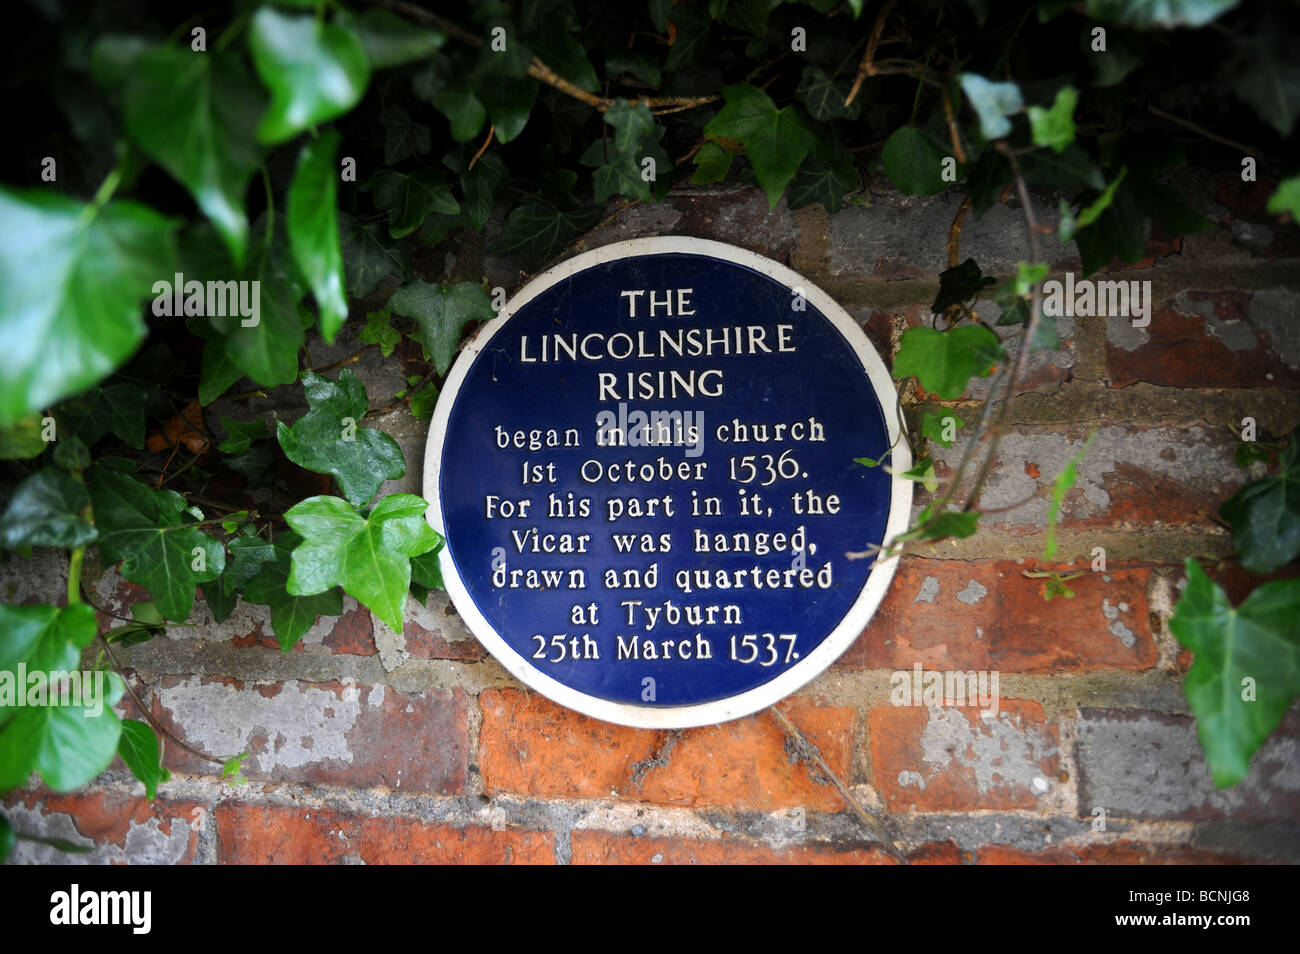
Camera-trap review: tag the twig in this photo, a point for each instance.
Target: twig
(483, 148)
(810, 751)
(954, 232)
(1200, 130)
(867, 66)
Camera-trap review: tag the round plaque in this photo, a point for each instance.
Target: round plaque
(644, 471)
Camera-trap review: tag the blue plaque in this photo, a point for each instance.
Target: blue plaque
(643, 468)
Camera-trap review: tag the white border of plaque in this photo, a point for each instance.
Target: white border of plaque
(807, 668)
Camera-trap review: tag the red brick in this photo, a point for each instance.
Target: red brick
(1181, 351)
(353, 634)
(109, 817)
(1110, 853)
(267, 834)
(372, 736)
(531, 746)
(1011, 628)
(603, 848)
(953, 759)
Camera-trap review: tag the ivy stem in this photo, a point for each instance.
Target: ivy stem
(74, 576)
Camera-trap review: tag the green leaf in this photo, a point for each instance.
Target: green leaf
(368, 556)
(315, 71)
(1247, 453)
(947, 523)
(196, 115)
(711, 164)
(538, 230)
(403, 136)
(1286, 198)
(509, 103)
(442, 314)
(824, 97)
(408, 199)
(1071, 168)
(143, 528)
(1056, 586)
(1164, 14)
(423, 401)
(692, 22)
(1099, 205)
(775, 140)
(945, 361)
(369, 256)
(626, 62)
(958, 284)
(113, 407)
(328, 438)
(923, 473)
(1258, 641)
(23, 440)
(480, 184)
(464, 110)
(824, 182)
(379, 332)
(1055, 127)
(7, 838)
(73, 281)
(232, 768)
(138, 747)
(46, 511)
(933, 426)
(314, 231)
(1064, 481)
(291, 616)
(240, 434)
(563, 53)
(390, 41)
(426, 571)
(1265, 515)
(1118, 232)
(244, 558)
(993, 103)
(68, 744)
(913, 161)
(633, 125)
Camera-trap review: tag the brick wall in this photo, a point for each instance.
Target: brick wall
(369, 746)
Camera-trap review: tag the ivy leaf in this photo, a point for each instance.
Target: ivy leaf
(1166, 14)
(23, 440)
(1118, 233)
(68, 744)
(7, 838)
(563, 53)
(933, 427)
(632, 124)
(824, 97)
(426, 571)
(328, 440)
(143, 528)
(824, 182)
(1259, 641)
(240, 435)
(537, 230)
(1286, 198)
(390, 41)
(314, 231)
(958, 284)
(408, 199)
(1055, 127)
(196, 115)
(423, 401)
(244, 558)
(1265, 515)
(368, 556)
(464, 110)
(1264, 74)
(993, 103)
(947, 523)
(403, 137)
(944, 361)
(379, 332)
(692, 23)
(46, 511)
(775, 140)
(112, 407)
(369, 256)
(315, 71)
(442, 314)
(1247, 453)
(509, 103)
(138, 747)
(291, 616)
(711, 164)
(913, 161)
(73, 280)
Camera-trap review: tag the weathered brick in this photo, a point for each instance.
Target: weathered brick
(1224, 339)
(957, 759)
(950, 614)
(1131, 477)
(604, 848)
(531, 746)
(1121, 852)
(121, 828)
(272, 834)
(322, 732)
(1143, 764)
